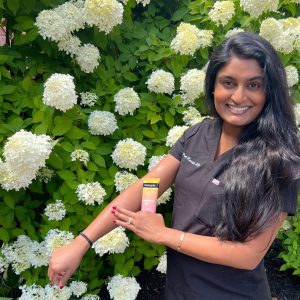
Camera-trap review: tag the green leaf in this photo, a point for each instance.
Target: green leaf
(92, 167)
(4, 59)
(99, 160)
(26, 84)
(7, 89)
(66, 175)
(62, 125)
(13, 5)
(76, 133)
(155, 119)
(149, 133)
(4, 236)
(9, 200)
(180, 13)
(169, 119)
(104, 149)
(130, 76)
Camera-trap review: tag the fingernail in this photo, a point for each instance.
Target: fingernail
(115, 221)
(61, 286)
(114, 207)
(113, 211)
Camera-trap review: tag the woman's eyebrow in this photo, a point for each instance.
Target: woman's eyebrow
(250, 79)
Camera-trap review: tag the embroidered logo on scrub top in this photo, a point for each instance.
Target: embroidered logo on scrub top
(196, 164)
(215, 181)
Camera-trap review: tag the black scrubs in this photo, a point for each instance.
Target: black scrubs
(198, 188)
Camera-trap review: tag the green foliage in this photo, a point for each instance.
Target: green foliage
(128, 55)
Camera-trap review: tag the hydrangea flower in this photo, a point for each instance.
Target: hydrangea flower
(162, 265)
(90, 297)
(144, 2)
(192, 86)
(53, 292)
(44, 174)
(70, 44)
(222, 12)
(124, 179)
(292, 75)
(25, 153)
(161, 81)
(127, 101)
(56, 238)
(90, 193)
(38, 255)
(189, 39)
(88, 57)
(80, 155)
(174, 134)
(233, 32)
(297, 113)
(115, 241)
(123, 288)
(102, 123)
(88, 99)
(3, 264)
(55, 211)
(257, 7)
(59, 92)
(32, 292)
(129, 154)
(78, 288)
(192, 116)
(105, 14)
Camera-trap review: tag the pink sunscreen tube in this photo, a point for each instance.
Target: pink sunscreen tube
(150, 193)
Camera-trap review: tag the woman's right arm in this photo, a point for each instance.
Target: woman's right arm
(65, 260)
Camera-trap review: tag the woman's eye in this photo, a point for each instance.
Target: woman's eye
(254, 85)
(227, 83)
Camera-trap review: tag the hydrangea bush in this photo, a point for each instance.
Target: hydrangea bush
(93, 94)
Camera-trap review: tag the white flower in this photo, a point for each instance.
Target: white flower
(292, 75)
(115, 241)
(105, 14)
(59, 92)
(222, 12)
(189, 39)
(56, 238)
(286, 225)
(44, 174)
(192, 86)
(192, 116)
(32, 292)
(162, 265)
(174, 134)
(78, 288)
(129, 154)
(102, 123)
(297, 113)
(256, 7)
(88, 57)
(124, 179)
(55, 211)
(90, 297)
(127, 101)
(233, 32)
(25, 153)
(88, 99)
(80, 155)
(161, 81)
(53, 292)
(123, 288)
(38, 256)
(144, 2)
(70, 44)
(154, 160)
(3, 264)
(91, 193)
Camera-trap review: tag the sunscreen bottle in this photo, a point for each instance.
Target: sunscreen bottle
(150, 193)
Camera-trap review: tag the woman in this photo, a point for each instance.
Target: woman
(235, 183)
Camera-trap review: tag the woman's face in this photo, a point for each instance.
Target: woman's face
(239, 94)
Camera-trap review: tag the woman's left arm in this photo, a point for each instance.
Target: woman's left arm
(246, 255)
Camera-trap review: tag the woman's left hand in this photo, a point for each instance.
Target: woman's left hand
(148, 226)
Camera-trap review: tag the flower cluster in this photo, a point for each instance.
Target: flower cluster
(80, 155)
(78, 288)
(44, 174)
(129, 154)
(56, 238)
(53, 292)
(123, 288)
(32, 292)
(70, 44)
(124, 179)
(88, 57)
(55, 211)
(88, 99)
(102, 123)
(59, 92)
(233, 32)
(192, 86)
(144, 2)
(90, 297)
(127, 101)
(283, 34)
(174, 134)
(162, 265)
(105, 14)
(292, 75)
(3, 264)
(161, 82)
(192, 116)
(257, 7)
(189, 39)
(115, 241)
(25, 153)
(90, 193)
(222, 12)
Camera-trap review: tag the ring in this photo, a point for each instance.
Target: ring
(129, 221)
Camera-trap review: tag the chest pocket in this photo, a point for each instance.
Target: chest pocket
(209, 205)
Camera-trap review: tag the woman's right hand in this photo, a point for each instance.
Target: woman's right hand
(65, 260)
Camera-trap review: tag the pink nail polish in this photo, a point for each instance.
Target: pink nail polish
(115, 221)
(114, 207)
(113, 211)
(61, 286)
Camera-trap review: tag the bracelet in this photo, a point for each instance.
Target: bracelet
(86, 238)
(180, 241)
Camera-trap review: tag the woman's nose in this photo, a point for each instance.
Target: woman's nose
(239, 94)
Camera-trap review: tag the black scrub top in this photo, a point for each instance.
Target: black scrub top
(198, 189)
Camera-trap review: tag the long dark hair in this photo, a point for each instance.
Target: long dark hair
(266, 158)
